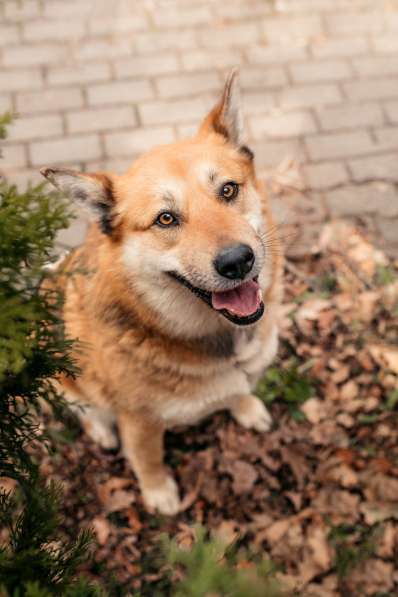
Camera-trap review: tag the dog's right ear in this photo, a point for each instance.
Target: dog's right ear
(226, 118)
(93, 192)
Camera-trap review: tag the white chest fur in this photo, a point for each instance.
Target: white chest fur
(253, 354)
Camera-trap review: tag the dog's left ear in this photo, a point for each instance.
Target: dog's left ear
(92, 192)
(226, 117)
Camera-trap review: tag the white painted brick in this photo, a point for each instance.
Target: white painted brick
(78, 73)
(117, 165)
(385, 43)
(33, 55)
(159, 41)
(238, 10)
(137, 141)
(387, 137)
(280, 29)
(292, 6)
(262, 78)
(119, 92)
(370, 198)
(185, 85)
(339, 145)
(19, 11)
(14, 80)
(375, 66)
(172, 112)
(355, 22)
(257, 102)
(325, 175)
(100, 119)
(43, 30)
(350, 116)
(146, 65)
(276, 54)
(186, 131)
(106, 49)
(206, 59)
(183, 16)
(5, 103)
(59, 9)
(292, 124)
(392, 111)
(24, 178)
(270, 154)
(370, 89)
(49, 100)
(117, 24)
(391, 18)
(309, 95)
(9, 34)
(229, 35)
(376, 166)
(325, 70)
(13, 156)
(35, 127)
(329, 47)
(68, 149)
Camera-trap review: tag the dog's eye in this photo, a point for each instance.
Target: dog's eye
(229, 190)
(166, 219)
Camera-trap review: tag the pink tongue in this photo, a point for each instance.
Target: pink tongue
(241, 301)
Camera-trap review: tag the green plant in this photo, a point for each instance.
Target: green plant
(211, 567)
(34, 561)
(288, 385)
(354, 544)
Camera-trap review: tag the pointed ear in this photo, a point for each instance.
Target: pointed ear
(93, 192)
(226, 117)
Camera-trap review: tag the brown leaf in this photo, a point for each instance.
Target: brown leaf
(102, 529)
(113, 496)
(314, 409)
(277, 530)
(321, 550)
(349, 390)
(372, 576)
(244, 476)
(385, 356)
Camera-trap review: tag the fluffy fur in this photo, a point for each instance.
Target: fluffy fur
(154, 355)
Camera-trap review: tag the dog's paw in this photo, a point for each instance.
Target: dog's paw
(164, 498)
(251, 413)
(103, 435)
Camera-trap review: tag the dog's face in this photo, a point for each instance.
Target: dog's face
(186, 223)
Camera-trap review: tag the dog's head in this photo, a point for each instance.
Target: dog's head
(186, 222)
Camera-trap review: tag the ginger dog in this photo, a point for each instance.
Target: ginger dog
(176, 310)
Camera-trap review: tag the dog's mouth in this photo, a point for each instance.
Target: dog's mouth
(242, 305)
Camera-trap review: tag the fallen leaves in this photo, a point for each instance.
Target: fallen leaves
(113, 495)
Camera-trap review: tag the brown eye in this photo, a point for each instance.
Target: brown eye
(229, 190)
(166, 219)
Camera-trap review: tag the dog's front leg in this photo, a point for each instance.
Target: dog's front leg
(250, 412)
(142, 441)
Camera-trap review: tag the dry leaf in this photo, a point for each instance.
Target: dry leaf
(314, 409)
(277, 530)
(385, 356)
(102, 529)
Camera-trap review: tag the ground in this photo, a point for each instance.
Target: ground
(317, 495)
(96, 82)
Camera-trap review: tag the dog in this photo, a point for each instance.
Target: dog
(173, 295)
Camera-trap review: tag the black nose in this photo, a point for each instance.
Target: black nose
(234, 262)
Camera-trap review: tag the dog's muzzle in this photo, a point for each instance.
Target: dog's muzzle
(242, 305)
